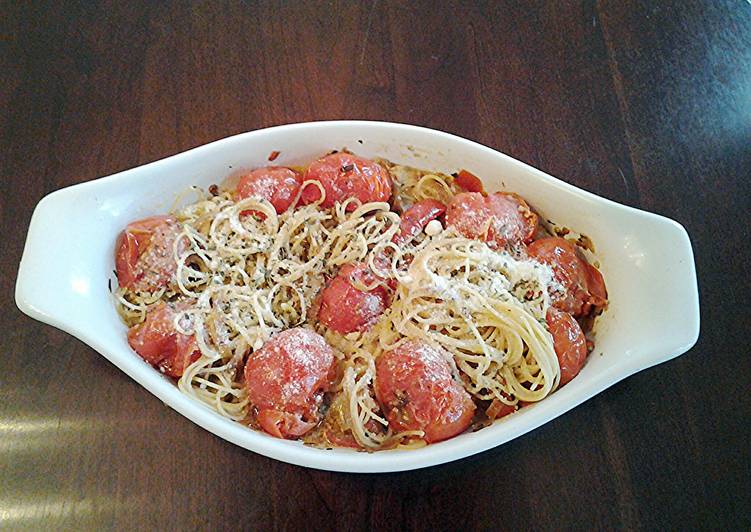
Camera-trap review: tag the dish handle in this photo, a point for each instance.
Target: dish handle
(60, 274)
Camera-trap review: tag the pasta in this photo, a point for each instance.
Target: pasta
(244, 272)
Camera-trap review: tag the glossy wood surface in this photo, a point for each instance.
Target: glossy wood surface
(646, 103)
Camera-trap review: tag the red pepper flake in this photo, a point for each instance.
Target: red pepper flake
(214, 190)
(273, 155)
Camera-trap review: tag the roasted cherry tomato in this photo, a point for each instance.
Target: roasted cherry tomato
(499, 409)
(159, 344)
(416, 218)
(345, 176)
(417, 391)
(468, 181)
(584, 288)
(144, 259)
(126, 258)
(569, 343)
(500, 218)
(344, 307)
(286, 380)
(276, 184)
(596, 285)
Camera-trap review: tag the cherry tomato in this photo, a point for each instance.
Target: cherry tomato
(417, 391)
(569, 343)
(283, 424)
(144, 259)
(596, 285)
(500, 218)
(584, 288)
(499, 409)
(344, 307)
(276, 184)
(469, 214)
(468, 181)
(345, 176)
(286, 380)
(126, 257)
(159, 344)
(416, 218)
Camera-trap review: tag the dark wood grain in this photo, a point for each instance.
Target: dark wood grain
(647, 103)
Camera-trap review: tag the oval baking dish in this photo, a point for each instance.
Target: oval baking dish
(646, 259)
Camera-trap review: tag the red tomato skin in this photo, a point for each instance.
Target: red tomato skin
(345, 176)
(499, 409)
(514, 221)
(469, 182)
(130, 243)
(417, 391)
(186, 352)
(159, 344)
(343, 308)
(569, 343)
(144, 229)
(144, 253)
(500, 219)
(286, 380)
(416, 218)
(283, 424)
(126, 257)
(469, 214)
(276, 184)
(596, 286)
(584, 288)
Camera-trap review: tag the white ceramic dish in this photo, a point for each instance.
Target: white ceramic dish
(646, 260)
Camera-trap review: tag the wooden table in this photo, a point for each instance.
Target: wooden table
(648, 104)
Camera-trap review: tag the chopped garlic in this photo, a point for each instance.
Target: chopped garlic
(433, 228)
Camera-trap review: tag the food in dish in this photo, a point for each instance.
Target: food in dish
(358, 303)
